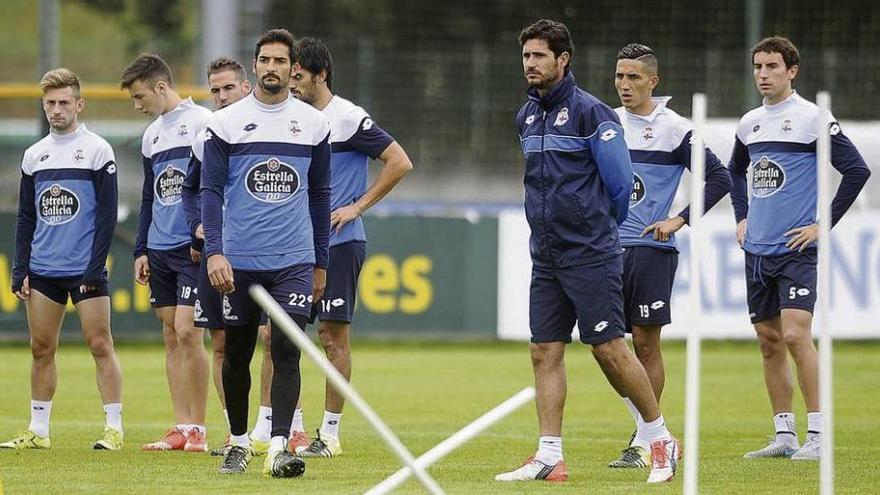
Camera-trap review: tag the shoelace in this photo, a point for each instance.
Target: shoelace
(317, 444)
(235, 458)
(658, 454)
(630, 454)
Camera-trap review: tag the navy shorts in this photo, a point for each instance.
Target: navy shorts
(173, 277)
(208, 309)
(591, 295)
(648, 275)
(291, 287)
(777, 282)
(60, 288)
(346, 261)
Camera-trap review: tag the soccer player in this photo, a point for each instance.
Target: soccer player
(355, 139)
(162, 249)
(266, 217)
(776, 227)
(659, 142)
(66, 217)
(578, 180)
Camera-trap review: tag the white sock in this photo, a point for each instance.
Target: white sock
(113, 415)
(330, 425)
(263, 426)
(240, 440)
(297, 423)
(814, 425)
(40, 411)
(184, 429)
(277, 444)
(549, 450)
(785, 427)
(656, 430)
(226, 415)
(640, 440)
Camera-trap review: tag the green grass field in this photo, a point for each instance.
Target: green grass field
(427, 391)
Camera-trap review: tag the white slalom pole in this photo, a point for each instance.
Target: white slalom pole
(823, 313)
(283, 322)
(458, 439)
(692, 370)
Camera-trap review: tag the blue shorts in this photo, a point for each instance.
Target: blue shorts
(208, 309)
(591, 295)
(59, 289)
(777, 282)
(338, 302)
(291, 287)
(648, 275)
(173, 277)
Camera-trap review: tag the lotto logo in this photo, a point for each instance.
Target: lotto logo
(608, 135)
(794, 292)
(657, 304)
(602, 325)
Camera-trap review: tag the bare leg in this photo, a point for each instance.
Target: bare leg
(44, 321)
(194, 363)
(777, 374)
(548, 364)
(218, 343)
(266, 368)
(335, 340)
(174, 366)
(94, 314)
(646, 343)
(627, 375)
(796, 325)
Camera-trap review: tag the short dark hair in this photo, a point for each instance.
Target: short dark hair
(640, 52)
(555, 33)
(278, 35)
(225, 63)
(148, 67)
(780, 45)
(314, 56)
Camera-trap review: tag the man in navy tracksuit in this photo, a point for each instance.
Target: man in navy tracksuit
(578, 181)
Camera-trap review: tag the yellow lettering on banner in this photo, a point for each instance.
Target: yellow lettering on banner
(121, 301)
(414, 273)
(8, 301)
(379, 284)
(141, 298)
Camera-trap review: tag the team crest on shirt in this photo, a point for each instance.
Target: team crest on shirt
(293, 127)
(58, 205)
(272, 181)
(182, 130)
(79, 155)
(786, 125)
(638, 192)
(561, 117)
(169, 185)
(767, 178)
(647, 133)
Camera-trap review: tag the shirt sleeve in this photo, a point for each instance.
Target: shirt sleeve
(25, 224)
(847, 160)
(145, 217)
(107, 195)
(189, 196)
(717, 179)
(319, 200)
(215, 169)
(738, 169)
(370, 139)
(611, 154)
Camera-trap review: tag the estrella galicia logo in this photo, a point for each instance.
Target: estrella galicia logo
(767, 178)
(58, 205)
(272, 181)
(638, 192)
(169, 185)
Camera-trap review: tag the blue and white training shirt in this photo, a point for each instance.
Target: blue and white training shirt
(190, 196)
(166, 150)
(266, 185)
(778, 142)
(354, 138)
(66, 207)
(660, 149)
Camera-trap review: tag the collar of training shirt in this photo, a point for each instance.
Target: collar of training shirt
(557, 94)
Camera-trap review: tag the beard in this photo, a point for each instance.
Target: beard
(273, 87)
(545, 81)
